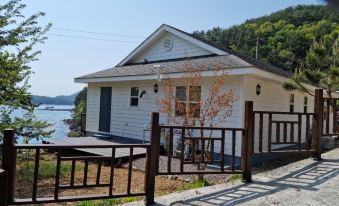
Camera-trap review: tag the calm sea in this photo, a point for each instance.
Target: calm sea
(54, 117)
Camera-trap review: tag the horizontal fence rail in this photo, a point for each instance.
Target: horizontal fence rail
(71, 182)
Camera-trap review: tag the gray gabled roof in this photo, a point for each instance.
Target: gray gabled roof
(232, 60)
(173, 66)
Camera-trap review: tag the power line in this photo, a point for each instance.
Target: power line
(90, 38)
(98, 33)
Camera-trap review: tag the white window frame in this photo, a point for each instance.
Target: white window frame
(292, 103)
(305, 104)
(133, 97)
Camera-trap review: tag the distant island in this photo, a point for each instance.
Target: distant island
(58, 100)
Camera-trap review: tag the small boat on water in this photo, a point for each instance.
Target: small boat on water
(49, 108)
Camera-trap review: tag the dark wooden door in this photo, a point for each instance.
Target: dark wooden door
(105, 109)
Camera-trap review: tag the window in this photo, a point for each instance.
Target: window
(134, 96)
(292, 103)
(192, 104)
(305, 104)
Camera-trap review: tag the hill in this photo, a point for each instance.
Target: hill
(58, 100)
(284, 37)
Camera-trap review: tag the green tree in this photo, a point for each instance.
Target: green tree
(283, 37)
(321, 69)
(80, 103)
(18, 36)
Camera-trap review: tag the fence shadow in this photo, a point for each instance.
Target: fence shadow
(306, 178)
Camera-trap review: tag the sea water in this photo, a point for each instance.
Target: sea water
(52, 116)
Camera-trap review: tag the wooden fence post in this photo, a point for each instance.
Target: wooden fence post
(247, 143)
(83, 124)
(317, 123)
(9, 162)
(152, 160)
(3, 187)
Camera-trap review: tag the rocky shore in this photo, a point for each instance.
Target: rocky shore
(74, 127)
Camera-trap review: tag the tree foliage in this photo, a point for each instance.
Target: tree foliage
(321, 69)
(18, 36)
(284, 37)
(189, 108)
(80, 103)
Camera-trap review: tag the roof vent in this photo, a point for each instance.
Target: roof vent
(168, 44)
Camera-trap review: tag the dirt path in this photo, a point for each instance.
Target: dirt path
(305, 182)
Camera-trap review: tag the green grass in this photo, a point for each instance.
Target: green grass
(235, 177)
(108, 202)
(74, 134)
(47, 169)
(193, 185)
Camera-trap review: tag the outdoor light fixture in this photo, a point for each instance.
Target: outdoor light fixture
(156, 88)
(142, 93)
(258, 89)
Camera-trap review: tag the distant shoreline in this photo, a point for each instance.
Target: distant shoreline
(56, 109)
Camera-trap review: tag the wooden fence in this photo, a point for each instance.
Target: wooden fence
(195, 139)
(289, 132)
(10, 161)
(211, 136)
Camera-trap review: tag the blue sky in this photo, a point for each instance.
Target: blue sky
(64, 58)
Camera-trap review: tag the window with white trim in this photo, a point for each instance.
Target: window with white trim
(291, 102)
(192, 104)
(305, 104)
(134, 101)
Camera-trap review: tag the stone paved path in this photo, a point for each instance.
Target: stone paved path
(305, 182)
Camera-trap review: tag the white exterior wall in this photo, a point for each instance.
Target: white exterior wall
(93, 108)
(274, 97)
(236, 119)
(127, 121)
(181, 49)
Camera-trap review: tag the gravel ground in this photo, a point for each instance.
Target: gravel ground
(139, 164)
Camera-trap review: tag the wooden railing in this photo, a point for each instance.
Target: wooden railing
(289, 132)
(279, 131)
(197, 138)
(197, 146)
(10, 161)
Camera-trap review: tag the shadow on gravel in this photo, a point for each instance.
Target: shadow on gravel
(306, 178)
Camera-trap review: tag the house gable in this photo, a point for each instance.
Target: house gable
(168, 43)
(169, 46)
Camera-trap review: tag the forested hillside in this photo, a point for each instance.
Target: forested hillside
(284, 37)
(58, 100)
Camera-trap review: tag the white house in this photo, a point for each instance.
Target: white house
(115, 105)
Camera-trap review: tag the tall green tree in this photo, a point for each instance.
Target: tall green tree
(18, 36)
(321, 69)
